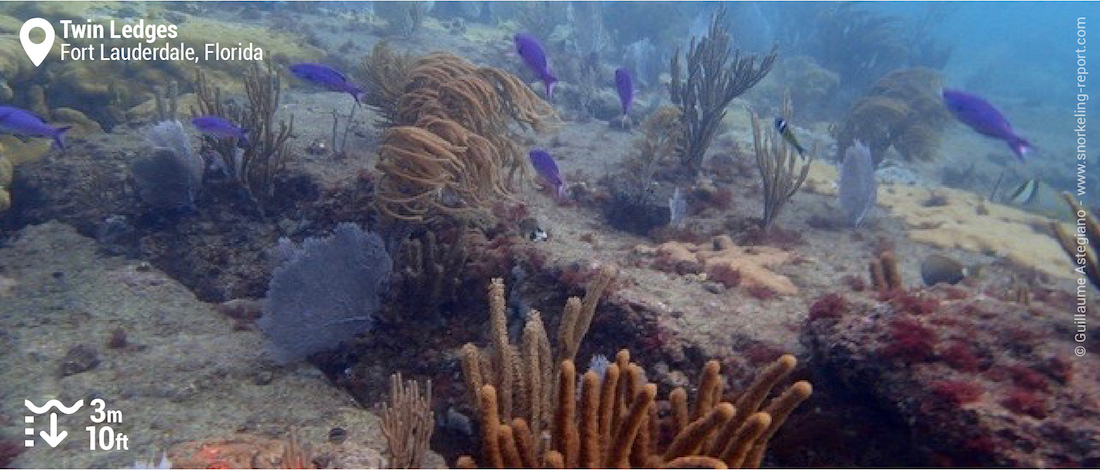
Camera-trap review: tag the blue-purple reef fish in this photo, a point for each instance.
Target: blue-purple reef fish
(547, 169)
(327, 77)
(221, 128)
(624, 84)
(784, 130)
(534, 56)
(985, 119)
(23, 122)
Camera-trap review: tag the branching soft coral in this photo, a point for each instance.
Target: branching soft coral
(781, 171)
(385, 73)
(615, 423)
(253, 167)
(708, 83)
(451, 152)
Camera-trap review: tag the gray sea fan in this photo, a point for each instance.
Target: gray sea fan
(170, 135)
(858, 187)
(171, 177)
(325, 292)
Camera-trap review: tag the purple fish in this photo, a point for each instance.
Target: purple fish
(547, 169)
(624, 83)
(535, 57)
(984, 118)
(327, 77)
(221, 128)
(23, 122)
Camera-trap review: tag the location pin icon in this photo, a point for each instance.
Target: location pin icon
(37, 52)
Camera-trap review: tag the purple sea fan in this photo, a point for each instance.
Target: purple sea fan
(324, 292)
(858, 187)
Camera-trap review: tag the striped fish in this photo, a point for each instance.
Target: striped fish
(1026, 193)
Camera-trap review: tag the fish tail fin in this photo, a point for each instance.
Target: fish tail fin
(59, 137)
(1021, 147)
(550, 81)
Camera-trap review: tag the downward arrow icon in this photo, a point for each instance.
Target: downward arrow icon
(53, 438)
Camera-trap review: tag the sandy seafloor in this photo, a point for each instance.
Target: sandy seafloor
(188, 374)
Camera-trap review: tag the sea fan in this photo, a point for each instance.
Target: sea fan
(170, 135)
(171, 177)
(858, 188)
(325, 292)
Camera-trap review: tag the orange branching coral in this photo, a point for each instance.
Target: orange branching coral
(615, 422)
(452, 139)
(531, 417)
(523, 374)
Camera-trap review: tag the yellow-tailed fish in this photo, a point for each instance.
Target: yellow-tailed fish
(788, 135)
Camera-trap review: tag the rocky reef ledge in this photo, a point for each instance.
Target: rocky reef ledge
(77, 325)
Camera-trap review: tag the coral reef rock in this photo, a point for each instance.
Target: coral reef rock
(725, 262)
(184, 375)
(952, 218)
(978, 381)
